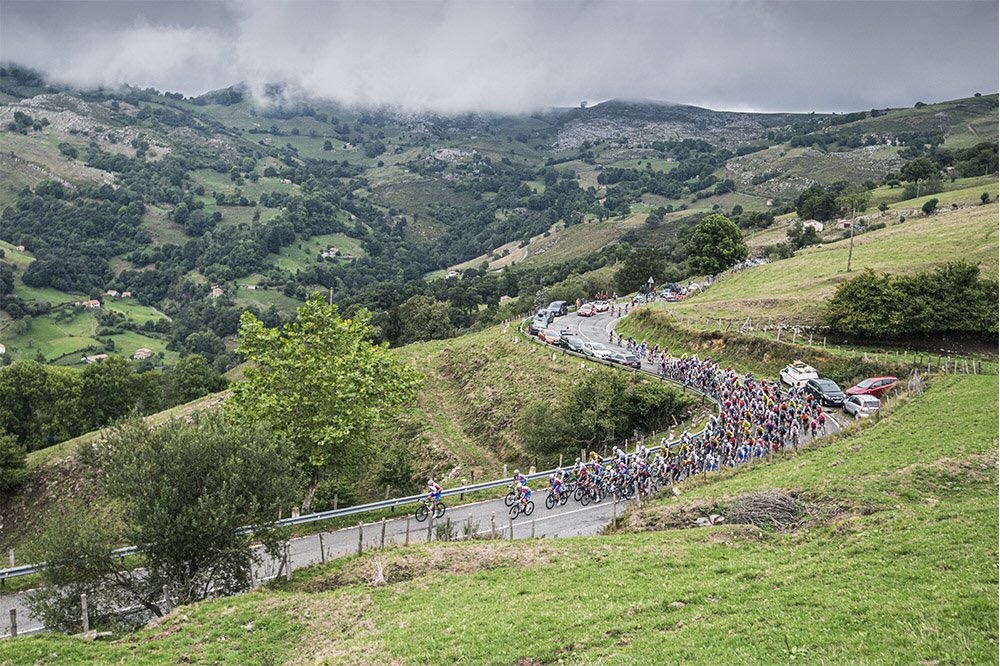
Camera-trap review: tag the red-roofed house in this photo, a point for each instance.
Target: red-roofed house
(142, 353)
(91, 304)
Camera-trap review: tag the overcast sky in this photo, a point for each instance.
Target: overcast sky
(832, 55)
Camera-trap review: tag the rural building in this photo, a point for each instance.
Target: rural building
(142, 353)
(329, 253)
(91, 304)
(126, 294)
(452, 274)
(94, 359)
(216, 291)
(815, 224)
(505, 298)
(3, 349)
(112, 293)
(19, 248)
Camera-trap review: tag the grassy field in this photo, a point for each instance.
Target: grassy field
(895, 563)
(305, 253)
(789, 289)
(68, 335)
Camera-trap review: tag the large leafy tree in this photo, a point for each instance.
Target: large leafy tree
(716, 244)
(182, 491)
(321, 385)
(637, 268)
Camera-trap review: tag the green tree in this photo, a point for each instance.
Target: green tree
(716, 244)
(321, 385)
(918, 170)
(191, 378)
(108, 391)
(637, 268)
(984, 198)
(183, 491)
(13, 463)
(423, 318)
(929, 206)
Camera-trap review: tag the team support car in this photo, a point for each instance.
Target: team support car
(558, 308)
(571, 343)
(874, 386)
(602, 306)
(549, 336)
(586, 310)
(596, 349)
(622, 358)
(861, 405)
(825, 391)
(798, 373)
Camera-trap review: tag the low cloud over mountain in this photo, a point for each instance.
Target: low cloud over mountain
(514, 56)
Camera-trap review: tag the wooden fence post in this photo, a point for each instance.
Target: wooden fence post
(322, 550)
(84, 613)
(361, 536)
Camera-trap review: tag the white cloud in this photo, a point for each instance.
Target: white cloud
(511, 56)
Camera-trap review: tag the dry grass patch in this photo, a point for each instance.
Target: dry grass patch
(395, 566)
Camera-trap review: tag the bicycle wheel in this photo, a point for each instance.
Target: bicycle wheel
(509, 498)
(585, 498)
(550, 501)
(440, 510)
(514, 510)
(578, 494)
(422, 513)
(563, 499)
(529, 508)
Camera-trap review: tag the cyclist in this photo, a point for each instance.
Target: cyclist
(525, 493)
(556, 485)
(434, 492)
(520, 479)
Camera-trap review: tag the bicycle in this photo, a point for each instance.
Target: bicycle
(511, 495)
(552, 499)
(524, 506)
(427, 507)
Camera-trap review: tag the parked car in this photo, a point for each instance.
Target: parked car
(545, 315)
(572, 343)
(558, 308)
(602, 306)
(586, 310)
(623, 358)
(549, 336)
(861, 405)
(876, 386)
(596, 349)
(535, 327)
(825, 391)
(797, 373)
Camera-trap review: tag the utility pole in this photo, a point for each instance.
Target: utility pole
(850, 249)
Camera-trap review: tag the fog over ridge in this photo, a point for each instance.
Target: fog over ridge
(512, 57)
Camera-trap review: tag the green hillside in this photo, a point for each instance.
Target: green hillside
(788, 290)
(894, 557)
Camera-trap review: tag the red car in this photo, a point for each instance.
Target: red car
(586, 310)
(876, 386)
(549, 336)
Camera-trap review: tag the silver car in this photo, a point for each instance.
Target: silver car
(861, 406)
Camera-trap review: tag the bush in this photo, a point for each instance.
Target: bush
(950, 299)
(929, 206)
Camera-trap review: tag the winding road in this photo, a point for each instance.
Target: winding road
(482, 518)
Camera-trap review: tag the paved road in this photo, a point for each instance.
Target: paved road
(486, 517)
